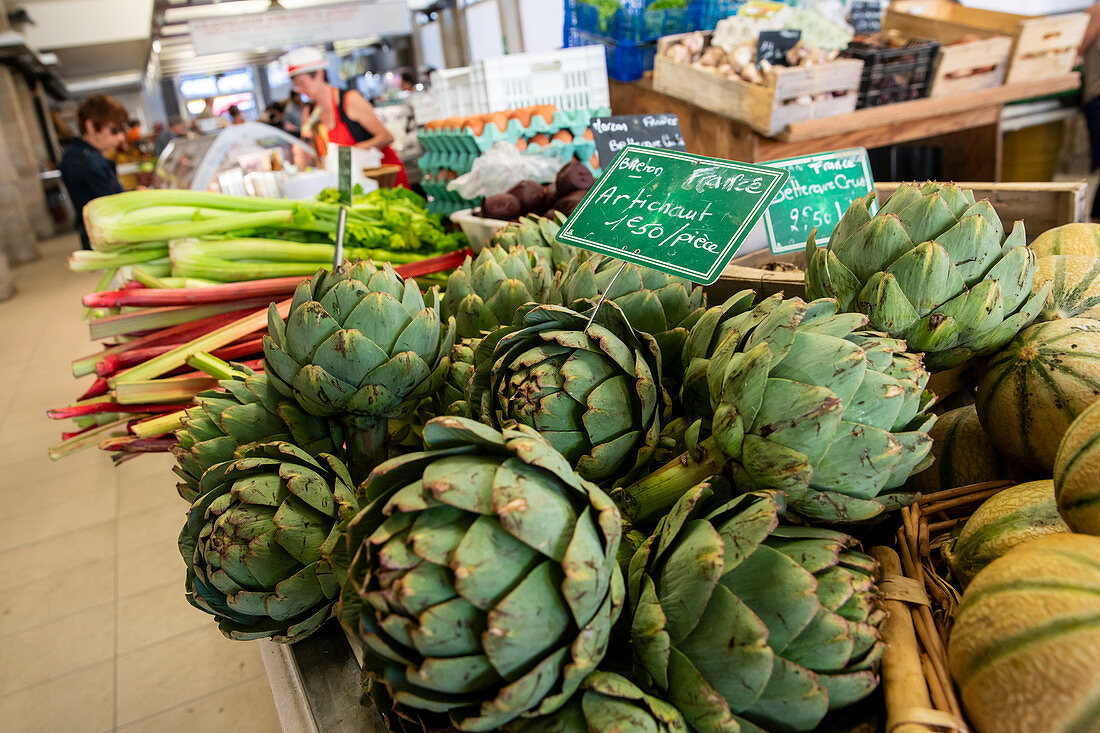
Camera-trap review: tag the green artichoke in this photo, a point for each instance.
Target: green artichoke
(662, 305)
(539, 235)
(483, 578)
(594, 392)
(805, 403)
(451, 400)
(749, 625)
(703, 340)
(932, 267)
(359, 343)
(259, 541)
(484, 294)
(609, 703)
(243, 411)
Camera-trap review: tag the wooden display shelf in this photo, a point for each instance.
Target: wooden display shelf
(967, 126)
(923, 111)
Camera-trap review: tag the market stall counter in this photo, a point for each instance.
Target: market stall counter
(967, 126)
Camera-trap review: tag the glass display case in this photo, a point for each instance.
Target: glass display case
(252, 159)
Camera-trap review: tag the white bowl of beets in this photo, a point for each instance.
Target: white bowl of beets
(530, 197)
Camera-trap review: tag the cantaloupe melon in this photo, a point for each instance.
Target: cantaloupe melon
(1037, 385)
(963, 454)
(1004, 520)
(1025, 648)
(1075, 290)
(1069, 239)
(1077, 473)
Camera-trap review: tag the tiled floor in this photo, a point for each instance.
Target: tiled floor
(95, 633)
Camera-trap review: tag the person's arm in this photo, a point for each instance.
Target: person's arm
(360, 110)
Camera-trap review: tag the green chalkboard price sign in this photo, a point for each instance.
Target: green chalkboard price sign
(672, 211)
(819, 191)
(343, 173)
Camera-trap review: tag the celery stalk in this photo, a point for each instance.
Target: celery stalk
(108, 228)
(87, 260)
(146, 278)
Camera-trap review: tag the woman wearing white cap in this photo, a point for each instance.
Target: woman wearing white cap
(346, 114)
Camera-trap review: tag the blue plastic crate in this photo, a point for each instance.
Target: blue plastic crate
(634, 21)
(703, 15)
(626, 61)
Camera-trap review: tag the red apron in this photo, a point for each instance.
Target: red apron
(341, 135)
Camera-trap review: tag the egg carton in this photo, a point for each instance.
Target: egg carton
(433, 161)
(466, 140)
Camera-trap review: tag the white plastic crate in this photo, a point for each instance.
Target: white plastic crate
(454, 93)
(571, 78)
(424, 107)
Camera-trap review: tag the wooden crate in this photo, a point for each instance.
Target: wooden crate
(769, 107)
(965, 67)
(1041, 206)
(1041, 46)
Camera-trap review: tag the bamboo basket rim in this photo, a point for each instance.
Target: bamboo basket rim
(932, 601)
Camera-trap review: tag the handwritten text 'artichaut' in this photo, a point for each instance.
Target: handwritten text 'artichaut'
(672, 222)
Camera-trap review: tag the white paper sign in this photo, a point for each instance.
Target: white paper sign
(305, 27)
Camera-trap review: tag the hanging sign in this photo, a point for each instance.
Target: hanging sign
(275, 29)
(773, 46)
(676, 212)
(819, 191)
(612, 134)
(865, 17)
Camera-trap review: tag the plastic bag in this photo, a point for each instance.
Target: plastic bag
(500, 169)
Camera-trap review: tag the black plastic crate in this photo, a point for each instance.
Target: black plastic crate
(894, 74)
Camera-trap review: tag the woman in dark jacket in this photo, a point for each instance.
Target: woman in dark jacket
(85, 169)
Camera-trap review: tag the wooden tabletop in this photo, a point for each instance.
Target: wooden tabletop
(930, 107)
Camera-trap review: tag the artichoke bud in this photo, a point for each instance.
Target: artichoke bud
(805, 402)
(242, 411)
(484, 574)
(741, 621)
(593, 390)
(484, 293)
(913, 267)
(359, 342)
(260, 538)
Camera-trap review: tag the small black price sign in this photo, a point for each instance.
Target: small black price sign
(612, 134)
(773, 46)
(865, 16)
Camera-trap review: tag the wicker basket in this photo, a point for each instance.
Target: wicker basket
(920, 697)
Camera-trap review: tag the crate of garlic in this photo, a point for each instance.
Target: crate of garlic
(726, 79)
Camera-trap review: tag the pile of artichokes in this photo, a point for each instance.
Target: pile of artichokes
(545, 510)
